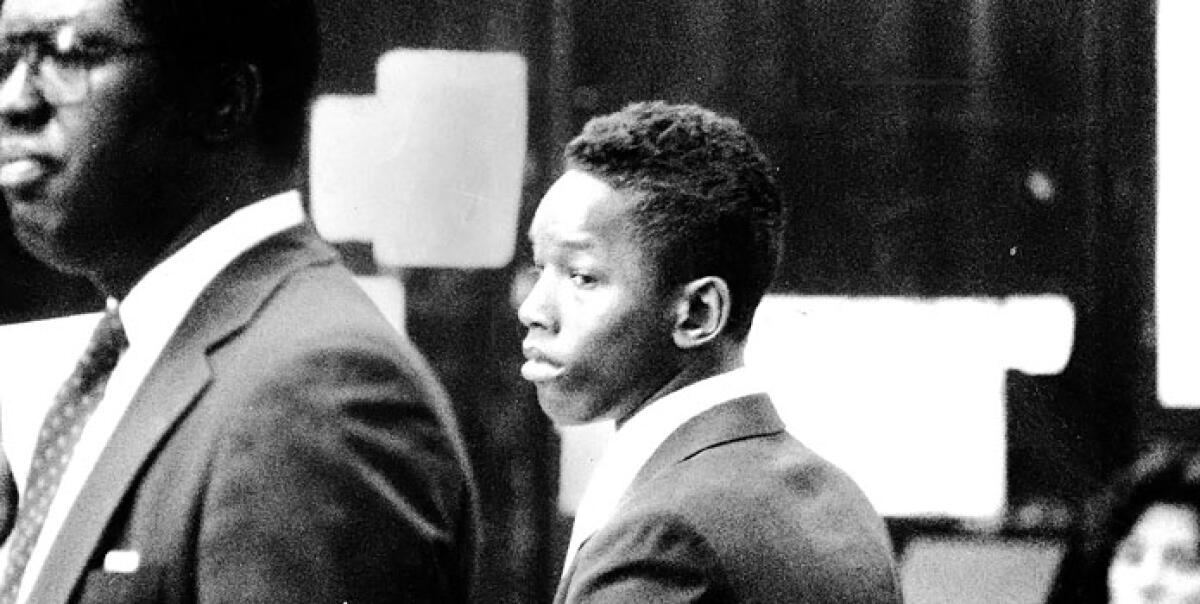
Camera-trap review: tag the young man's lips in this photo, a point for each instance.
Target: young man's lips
(538, 367)
(540, 371)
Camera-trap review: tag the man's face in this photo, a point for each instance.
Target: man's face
(599, 342)
(79, 170)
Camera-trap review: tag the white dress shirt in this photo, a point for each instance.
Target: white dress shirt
(150, 314)
(638, 439)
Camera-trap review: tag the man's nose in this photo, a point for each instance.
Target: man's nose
(21, 102)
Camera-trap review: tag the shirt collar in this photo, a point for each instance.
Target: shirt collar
(158, 302)
(637, 440)
(675, 409)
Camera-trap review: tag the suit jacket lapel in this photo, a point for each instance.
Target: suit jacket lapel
(176, 381)
(738, 419)
(741, 418)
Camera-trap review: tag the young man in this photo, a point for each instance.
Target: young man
(246, 427)
(653, 251)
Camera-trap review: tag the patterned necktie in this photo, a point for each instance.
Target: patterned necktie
(60, 431)
(8, 497)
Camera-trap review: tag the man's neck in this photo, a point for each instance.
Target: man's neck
(213, 198)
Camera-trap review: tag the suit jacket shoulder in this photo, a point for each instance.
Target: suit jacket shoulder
(731, 508)
(288, 445)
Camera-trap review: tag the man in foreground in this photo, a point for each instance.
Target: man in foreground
(653, 251)
(244, 426)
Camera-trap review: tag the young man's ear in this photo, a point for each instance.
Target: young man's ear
(701, 312)
(236, 94)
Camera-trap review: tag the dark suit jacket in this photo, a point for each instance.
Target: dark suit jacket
(288, 446)
(731, 508)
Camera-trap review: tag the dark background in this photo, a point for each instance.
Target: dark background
(906, 133)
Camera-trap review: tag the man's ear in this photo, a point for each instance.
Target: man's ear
(234, 101)
(701, 312)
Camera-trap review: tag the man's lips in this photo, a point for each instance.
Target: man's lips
(19, 172)
(538, 367)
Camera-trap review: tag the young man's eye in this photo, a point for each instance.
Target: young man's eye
(582, 279)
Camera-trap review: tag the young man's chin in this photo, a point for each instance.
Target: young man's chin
(566, 410)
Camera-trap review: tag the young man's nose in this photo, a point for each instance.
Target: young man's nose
(535, 309)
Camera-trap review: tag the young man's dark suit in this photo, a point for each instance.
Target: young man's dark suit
(283, 389)
(731, 508)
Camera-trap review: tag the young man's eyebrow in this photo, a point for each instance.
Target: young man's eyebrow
(578, 244)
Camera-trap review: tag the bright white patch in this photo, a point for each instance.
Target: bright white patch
(1177, 281)
(35, 359)
(430, 168)
(122, 561)
(906, 395)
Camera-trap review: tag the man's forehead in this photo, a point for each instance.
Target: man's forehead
(49, 15)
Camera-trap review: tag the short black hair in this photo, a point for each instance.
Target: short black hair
(1167, 473)
(707, 202)
(279, 37)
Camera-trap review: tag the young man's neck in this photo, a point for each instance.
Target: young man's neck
(702, 365)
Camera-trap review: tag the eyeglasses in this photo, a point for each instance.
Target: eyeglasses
(61, 63)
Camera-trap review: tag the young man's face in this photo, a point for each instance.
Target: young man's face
(83, 133)
(599, 342)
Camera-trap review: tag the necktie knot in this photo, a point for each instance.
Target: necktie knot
(105, 347)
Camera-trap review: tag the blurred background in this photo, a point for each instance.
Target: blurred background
(933, 152)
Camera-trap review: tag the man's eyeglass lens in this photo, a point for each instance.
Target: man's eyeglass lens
(62, 75)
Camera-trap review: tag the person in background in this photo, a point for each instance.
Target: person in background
(652, 252)
(1139, 541)
(244, 425)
